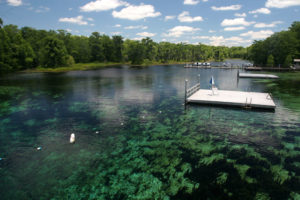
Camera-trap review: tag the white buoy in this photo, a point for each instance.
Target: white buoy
(72, 138)
(39, 148)
(97, 132)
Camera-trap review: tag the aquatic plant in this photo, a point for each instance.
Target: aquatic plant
(222, 178)
(280, 174)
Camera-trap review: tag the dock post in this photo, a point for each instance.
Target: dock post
(238, 73)
(185, 91)
(199, 80)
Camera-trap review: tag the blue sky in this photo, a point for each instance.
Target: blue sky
(213, 22)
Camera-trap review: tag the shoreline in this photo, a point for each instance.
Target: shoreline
(90, 66)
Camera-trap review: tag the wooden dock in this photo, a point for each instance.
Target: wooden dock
(232, 98)
(248, 75)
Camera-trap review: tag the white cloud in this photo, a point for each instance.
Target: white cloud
(117, 25)
(74, 20)
(263, 25)
(146, 34)
(184, 17)
(136, 27)
(238, 28)
(178, 31)
(232, 7)
(257, 35)
(116, 33)
(211, 31)
(14, 2)
(261, 11)
(42, 9)
(169, 17)
(201, 37)
(191, 2)
(240, 14)
(90, 19)
(137, 38)
(102, 5)
(281, 3)
(221, 41)
(136, 12)
(236, 22)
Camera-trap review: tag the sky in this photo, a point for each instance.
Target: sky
(212, 22)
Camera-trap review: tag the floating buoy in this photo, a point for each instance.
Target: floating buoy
(160, 111)
(39, 148)
(72, 138)
(97, 132)
(122, 124)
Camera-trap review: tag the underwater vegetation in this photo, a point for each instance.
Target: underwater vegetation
(152, 150)
(286, 88)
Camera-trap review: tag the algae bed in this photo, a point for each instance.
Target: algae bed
(136, 140)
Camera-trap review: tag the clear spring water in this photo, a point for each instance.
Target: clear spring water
(136, 140)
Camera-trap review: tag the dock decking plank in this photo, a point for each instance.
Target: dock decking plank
(233, 98)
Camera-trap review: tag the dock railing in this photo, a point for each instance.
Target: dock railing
(190, 91)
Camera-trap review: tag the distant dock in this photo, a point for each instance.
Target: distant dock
(233, 98)
(248, 75)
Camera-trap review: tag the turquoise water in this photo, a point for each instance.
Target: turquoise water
(136, 140)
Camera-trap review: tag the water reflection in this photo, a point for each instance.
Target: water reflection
(134, 140)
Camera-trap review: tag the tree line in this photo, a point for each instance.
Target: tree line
(277, 50)
(25, 48)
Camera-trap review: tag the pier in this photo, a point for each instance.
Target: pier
(217, 97)
(248, 75)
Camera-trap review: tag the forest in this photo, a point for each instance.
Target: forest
(28, 48)
(278, 50)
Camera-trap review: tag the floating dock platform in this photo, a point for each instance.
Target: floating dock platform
(248, 75)
(231, 98)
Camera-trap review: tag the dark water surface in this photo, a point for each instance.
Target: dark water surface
(135, 140)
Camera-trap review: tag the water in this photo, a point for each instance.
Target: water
(135, 140)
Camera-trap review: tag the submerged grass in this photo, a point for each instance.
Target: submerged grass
(286, 88)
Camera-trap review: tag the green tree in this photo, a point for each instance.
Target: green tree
(288, 61)
(270, 61)
(118, 48)
(96, 47)
(54, 53)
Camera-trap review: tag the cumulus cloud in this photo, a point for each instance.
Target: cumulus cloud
(240, 14)
(178, 31)
(236, 22)
(238, 28)
(232, 7)
(211, 31)
(117, 25)
(102, 5)
(116, 33)
(136, 27)
(74, 20)
(263, 25)
(146, 34)
(257, 35)
(136, 12)
(191, 2)
(221, 41)
(281, 3)
(184, 17)
(42, 9)
(261, 11)
(169, 17)
(14, 2)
